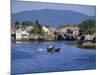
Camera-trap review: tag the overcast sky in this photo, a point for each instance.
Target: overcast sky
(19, 6)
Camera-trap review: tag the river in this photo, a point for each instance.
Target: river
(32, 57)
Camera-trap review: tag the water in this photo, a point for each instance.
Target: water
(32, 57)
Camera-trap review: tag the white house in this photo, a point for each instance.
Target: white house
(66, 28)
(29, 28)
(45, 29)
(22, 35)
(75, 33)
(89, 37)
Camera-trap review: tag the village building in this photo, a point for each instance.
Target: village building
(71, 28)
(22, 34)
(75, 33)
(49, 32)
(70, 32)
(29, 28)
(89, 37)
(45, 29)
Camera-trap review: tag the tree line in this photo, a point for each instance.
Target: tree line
(86, 27)
(37, 27)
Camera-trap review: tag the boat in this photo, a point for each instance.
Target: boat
(52, 49)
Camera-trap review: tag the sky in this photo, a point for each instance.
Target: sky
(19, 6)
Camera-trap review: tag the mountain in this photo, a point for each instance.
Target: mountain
(51, 17)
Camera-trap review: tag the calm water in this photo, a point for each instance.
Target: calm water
(32, 57)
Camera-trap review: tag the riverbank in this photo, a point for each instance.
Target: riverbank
(88, 45)
(85, 45)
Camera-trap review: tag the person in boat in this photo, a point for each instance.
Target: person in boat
(50, 48)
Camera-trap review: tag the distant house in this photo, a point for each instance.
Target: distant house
(75, 33)
(29, 28)
(89, 37)
(22, 35)
(71, 28)
(53, 30)
(45, 29)
(49, 30)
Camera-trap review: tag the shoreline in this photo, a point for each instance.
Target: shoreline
(85, 45)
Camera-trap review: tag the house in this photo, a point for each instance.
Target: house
(89, 37)
(49, 30)
(75, 33)
(22, 34)
(45, 29)
(29, 28)
(71, 28)
(33, 37)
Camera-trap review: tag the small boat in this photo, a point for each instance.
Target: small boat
(52, 49)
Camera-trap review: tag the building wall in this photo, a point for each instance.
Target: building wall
(18, 36)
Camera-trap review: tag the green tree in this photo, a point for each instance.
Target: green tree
(88, 26)
(37, 28)
(26, 24)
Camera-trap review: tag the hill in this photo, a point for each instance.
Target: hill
(51, 17)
